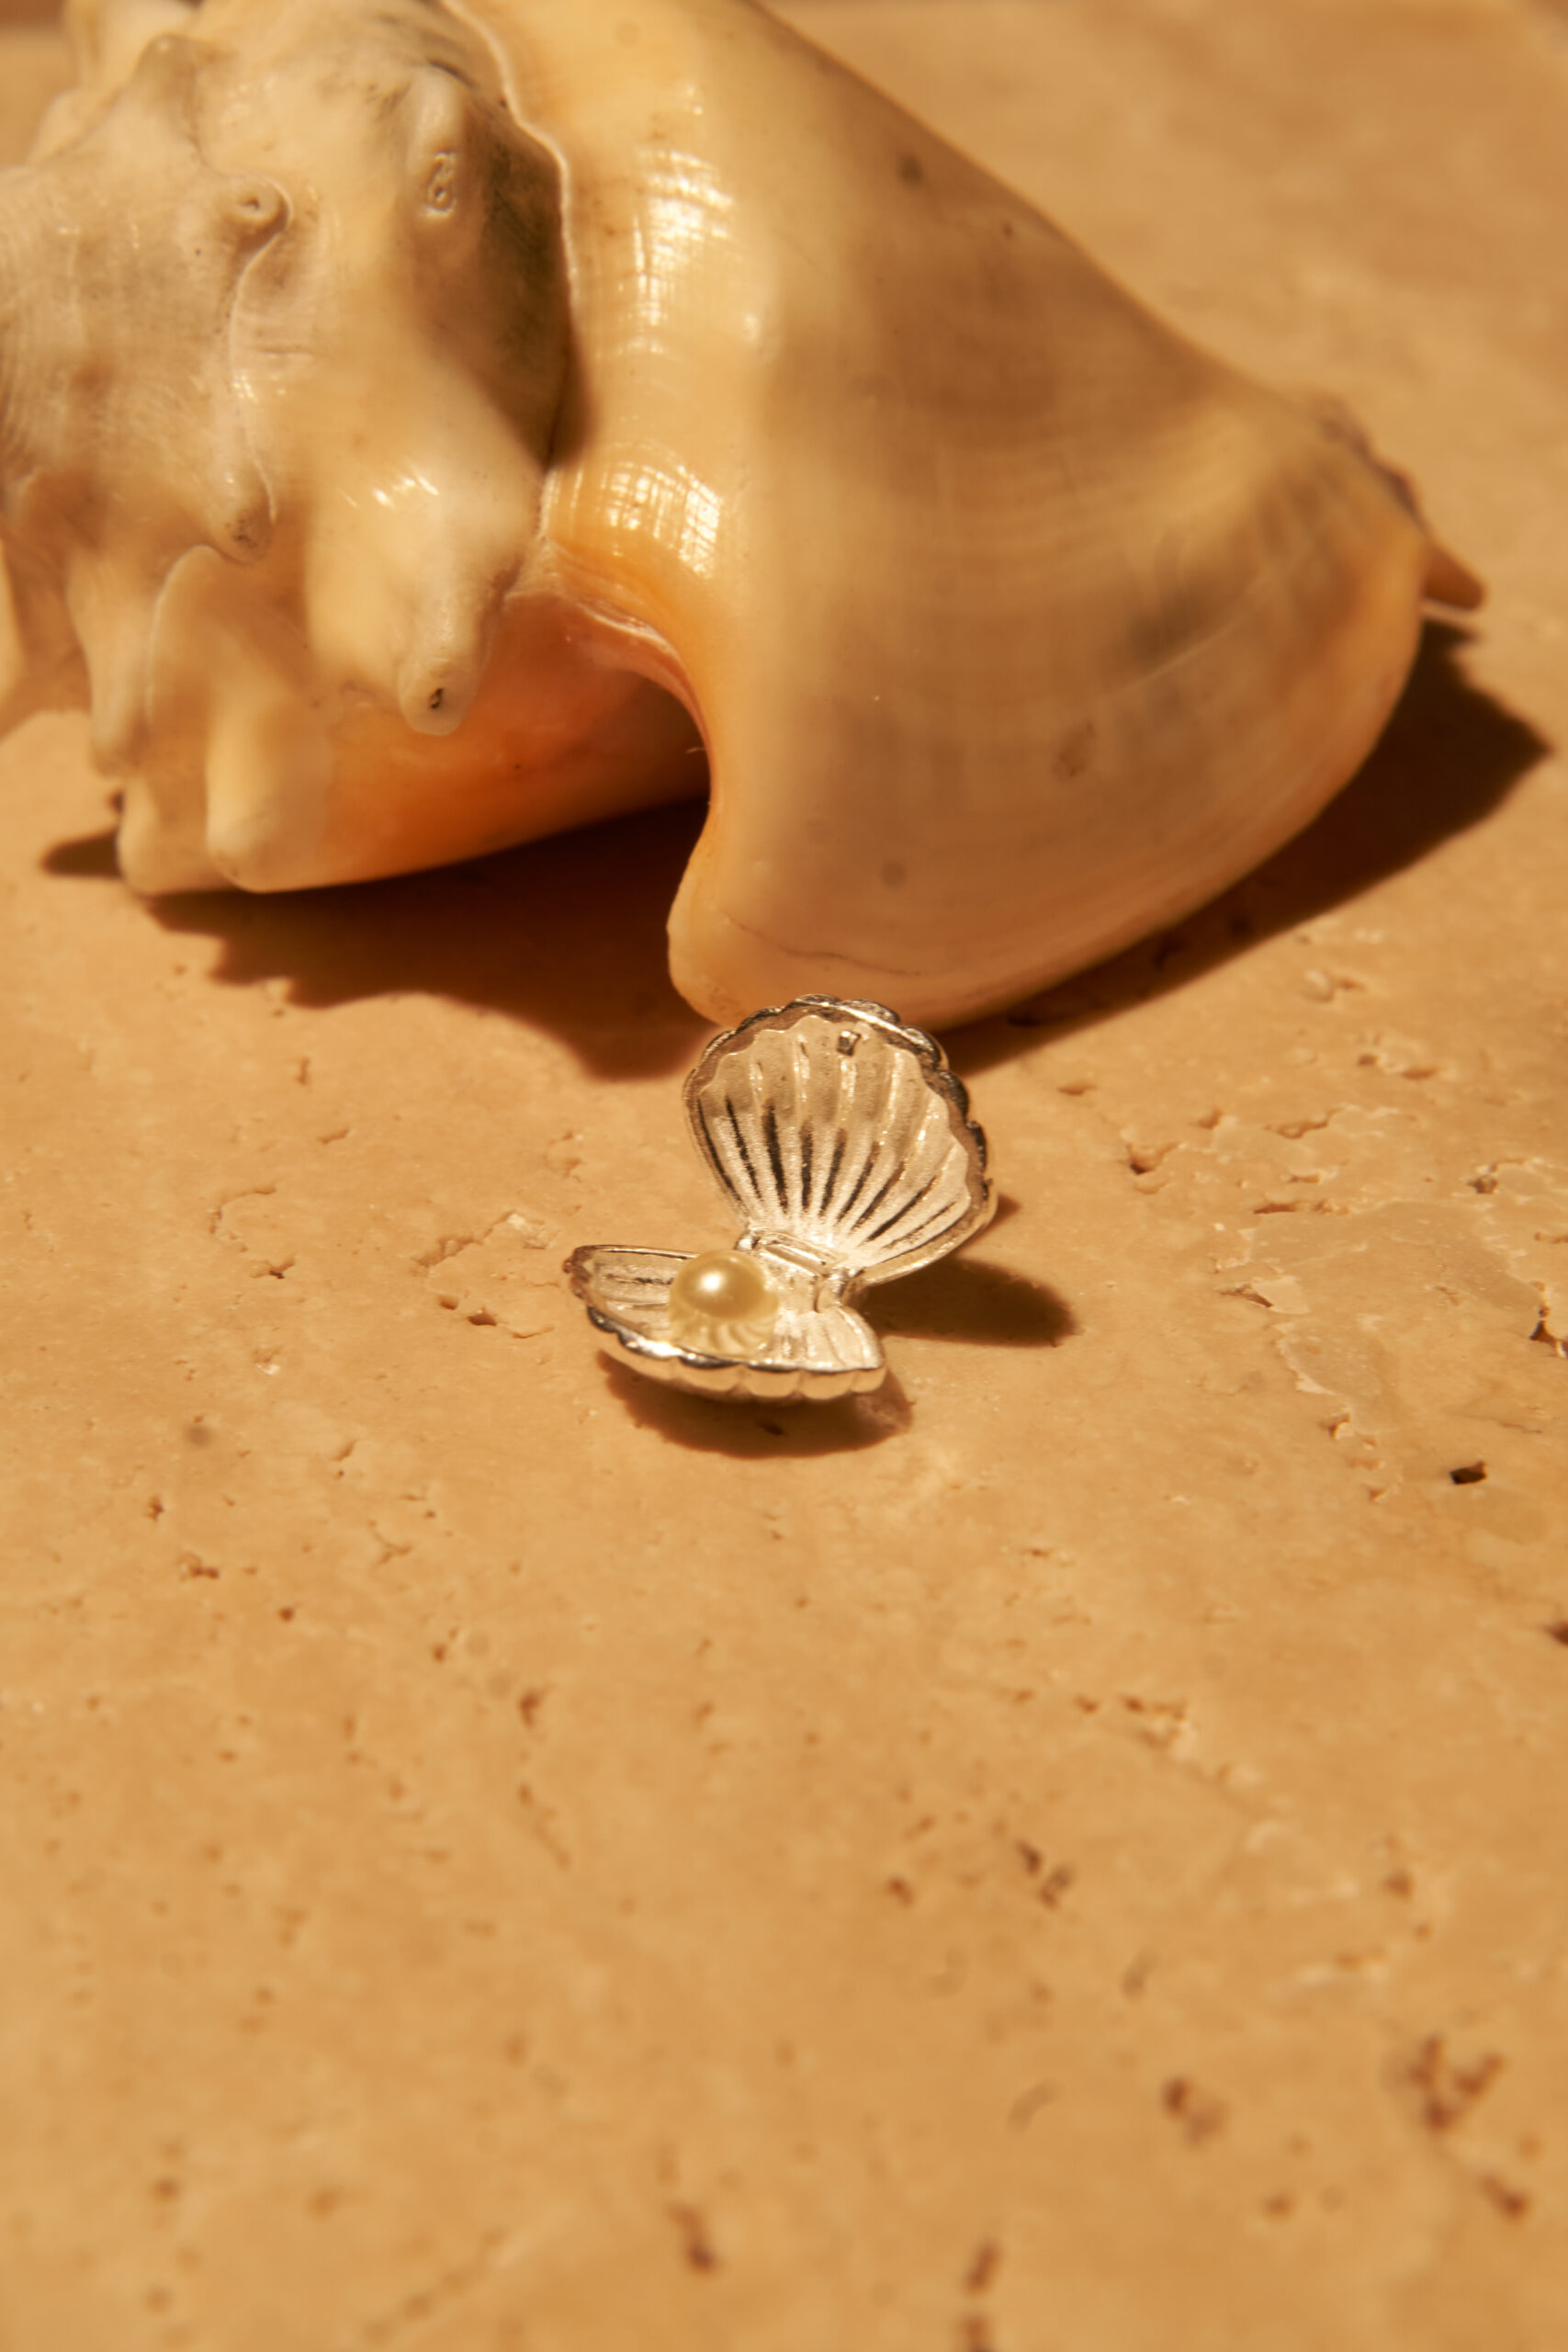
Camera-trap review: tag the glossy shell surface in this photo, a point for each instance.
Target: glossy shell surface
(845, 1145)
(424, 427)
(837, 1131)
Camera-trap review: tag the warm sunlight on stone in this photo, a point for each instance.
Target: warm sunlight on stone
(1064, 1852)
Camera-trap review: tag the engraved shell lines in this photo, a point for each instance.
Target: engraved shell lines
(826, 1136)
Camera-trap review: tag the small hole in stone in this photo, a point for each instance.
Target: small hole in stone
(1470, 1474)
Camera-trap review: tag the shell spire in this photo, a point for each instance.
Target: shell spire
(107, 476)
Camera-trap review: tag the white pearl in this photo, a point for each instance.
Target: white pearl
(723, 1303)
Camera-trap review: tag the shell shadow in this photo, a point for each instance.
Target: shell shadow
(762, 1432)
(1448, 756)
(565, 936)
(90, 857)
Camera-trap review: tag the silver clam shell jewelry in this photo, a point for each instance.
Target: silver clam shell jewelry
(845, 1146)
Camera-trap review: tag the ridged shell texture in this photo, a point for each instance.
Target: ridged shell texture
(838, 1131)
(845, 1144)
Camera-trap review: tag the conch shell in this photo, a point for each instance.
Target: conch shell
(425, 426)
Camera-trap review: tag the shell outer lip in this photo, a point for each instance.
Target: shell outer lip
(840, 1182)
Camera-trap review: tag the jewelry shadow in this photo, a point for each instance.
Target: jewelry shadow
(969, 1301)
(964, 1301)
(1450, 755)
(753, 1432)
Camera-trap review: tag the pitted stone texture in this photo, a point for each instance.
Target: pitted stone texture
(1064, 1853)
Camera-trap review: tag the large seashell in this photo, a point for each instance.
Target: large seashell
(423, 425)
(844, 1142)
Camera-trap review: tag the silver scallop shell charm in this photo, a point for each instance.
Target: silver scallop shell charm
(845, 1145)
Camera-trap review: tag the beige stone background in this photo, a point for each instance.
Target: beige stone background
(1068, 1856)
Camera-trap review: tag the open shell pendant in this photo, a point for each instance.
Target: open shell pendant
(845, 1144)
(424, 427)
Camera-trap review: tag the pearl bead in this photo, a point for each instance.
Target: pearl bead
(723, 1303)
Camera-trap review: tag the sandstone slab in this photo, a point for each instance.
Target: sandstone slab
(1064, 1856)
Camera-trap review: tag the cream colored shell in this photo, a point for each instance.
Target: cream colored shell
(417, 422)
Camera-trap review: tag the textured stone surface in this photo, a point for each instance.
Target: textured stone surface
(1062, 1856)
